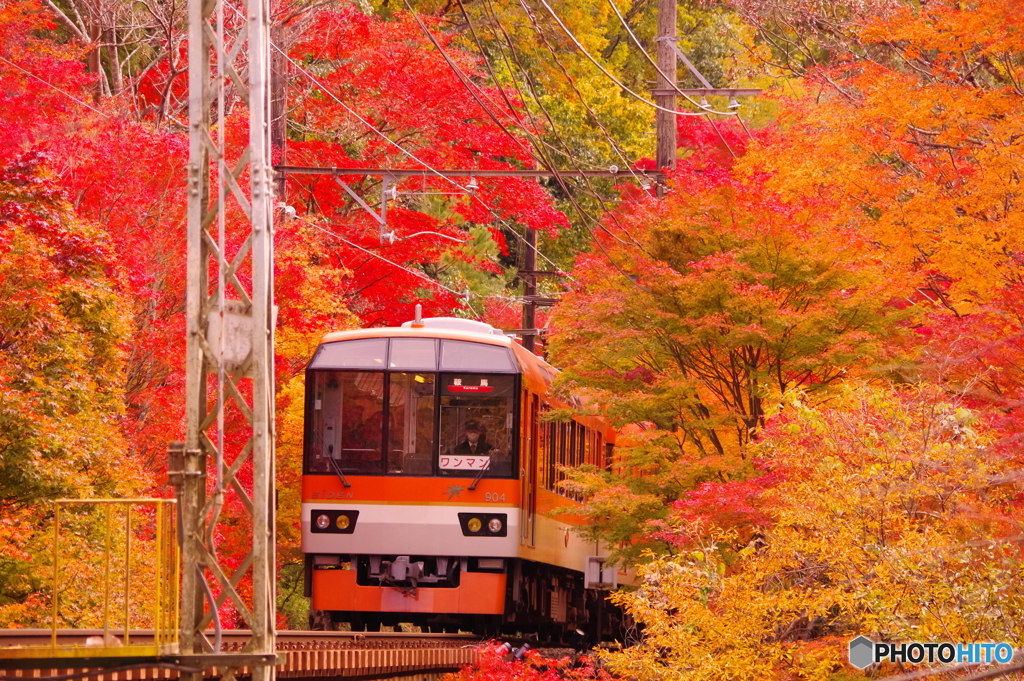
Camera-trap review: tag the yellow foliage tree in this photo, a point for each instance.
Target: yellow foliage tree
(893, 519)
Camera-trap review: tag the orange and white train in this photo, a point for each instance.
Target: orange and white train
(430, 483)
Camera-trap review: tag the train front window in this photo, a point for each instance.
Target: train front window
(477, 422)
(411, 406)
(416, 354)
(367, 353)
(466, 356)
(411, 426)
(348, 423)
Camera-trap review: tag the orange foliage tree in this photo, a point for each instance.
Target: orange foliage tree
(62, 323)
(697, 313)
(918, 146)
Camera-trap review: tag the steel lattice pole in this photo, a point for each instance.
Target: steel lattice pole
(230, 326)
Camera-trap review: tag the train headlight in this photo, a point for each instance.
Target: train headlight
(324, 521)
(484, 524)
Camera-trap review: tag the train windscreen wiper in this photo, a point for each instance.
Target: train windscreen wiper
(337, 469)
(480, 475)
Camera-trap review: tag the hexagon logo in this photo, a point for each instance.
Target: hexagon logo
(862, 652)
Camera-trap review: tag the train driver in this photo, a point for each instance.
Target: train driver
(475, 443)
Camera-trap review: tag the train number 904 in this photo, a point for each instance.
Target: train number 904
(494, 496)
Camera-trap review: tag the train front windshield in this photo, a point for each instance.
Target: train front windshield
(411, 406)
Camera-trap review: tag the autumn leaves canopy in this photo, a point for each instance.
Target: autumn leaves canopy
(812, 341)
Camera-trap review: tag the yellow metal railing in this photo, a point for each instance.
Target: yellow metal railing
(139, 578)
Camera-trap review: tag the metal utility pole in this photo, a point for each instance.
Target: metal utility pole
(665, 154)
(229, 391)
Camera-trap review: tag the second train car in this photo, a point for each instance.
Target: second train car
(430, 483)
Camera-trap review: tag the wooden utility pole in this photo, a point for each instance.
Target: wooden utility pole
(229, 390)
(278, 102)
(529, 276)
(665, 117)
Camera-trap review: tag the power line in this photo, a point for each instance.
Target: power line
(465, 295)
(464, 80)
(408, 153)
(50, 85)
(630, 166)
(653, 63)
(434, 171)
(605, 71)
(583, 213)
(547, 163)
(592, 114)
(668, 80)
(416, 273)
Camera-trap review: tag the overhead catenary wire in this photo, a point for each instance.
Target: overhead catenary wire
(534, 137)
(540, 155)
(668, 80)
(512, 112)
(632, 240)
(466, 83)
(522, 96)
(566, 152)
(411, 155)
(402, 149)
(605, 71)
(420, 275)
(647, 56)
(629, 165)
(583, 214)
(652, 62)
(426, 165)
(433, 170)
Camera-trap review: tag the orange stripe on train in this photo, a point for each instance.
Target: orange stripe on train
(409, 490)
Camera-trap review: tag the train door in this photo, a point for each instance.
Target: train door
(531, 435)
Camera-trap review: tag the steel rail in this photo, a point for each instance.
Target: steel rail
(299, 655)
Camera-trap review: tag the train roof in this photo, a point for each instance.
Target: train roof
(451, 333)
(451, 328)
(535, 370)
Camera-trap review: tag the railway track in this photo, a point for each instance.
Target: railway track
(29, 654)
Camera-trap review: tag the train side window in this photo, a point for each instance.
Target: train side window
(552, 454)
(348, 423)
(542, 448)
(581, 453)
(573, 462)
(411, 424)
(563, 453)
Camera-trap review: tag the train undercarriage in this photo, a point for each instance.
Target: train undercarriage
(485, 596)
